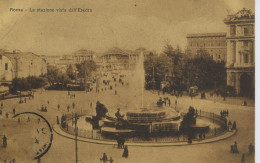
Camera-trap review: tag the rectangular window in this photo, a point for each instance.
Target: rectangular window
(245, 31)
(245, 43)
(232, 30)
(246, 58)
(6, 66)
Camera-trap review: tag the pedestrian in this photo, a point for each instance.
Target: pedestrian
(39, 120)
(111, 160)
(243, 158)
(73, 105)
(58, 122)
(176, 102)
(18, 120)
(58, 107)
(104, 158)
(4, 141)
(90, 104)
(118, 143)
(125, 153)
(252, 149)
(229, 126)
(48, 102)
(0, 112)
(6, 114)
(2, 105)
(68, 108)
(189, 140)
(122, 143)
(28, 119)
(13, 110)
(227, 113)
(234, 127)
(200, 136)
(235, 147)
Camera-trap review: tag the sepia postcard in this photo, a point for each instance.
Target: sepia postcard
(127, 81)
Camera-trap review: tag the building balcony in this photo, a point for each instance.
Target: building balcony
(244, 65)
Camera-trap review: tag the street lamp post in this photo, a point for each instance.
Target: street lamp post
(76, 136)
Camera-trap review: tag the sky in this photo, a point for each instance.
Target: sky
(127, 24)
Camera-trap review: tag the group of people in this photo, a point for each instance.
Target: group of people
(233, 148)
(202, 136)
(11, 161)
(6, 114)
(105, 159)
(231, 126)
(44, 109)
(120, 143)
(71, 95)
(224, 113)
(68, 107)
(164, 101)
(31, 96)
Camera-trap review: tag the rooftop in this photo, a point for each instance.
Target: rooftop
(84, 52)
(242, 15)
(221, 34)
(115, 50)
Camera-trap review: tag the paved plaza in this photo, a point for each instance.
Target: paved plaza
(63, 149)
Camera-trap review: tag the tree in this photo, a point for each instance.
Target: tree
(20, 84)
(159, 66)
(85, 69)
(204, 72)
(176, 78)
(36, 82)
(25, 84)
(71, 72)
(52, 74)
(55, 76)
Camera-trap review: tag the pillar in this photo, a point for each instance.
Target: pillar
(237, 54)
(237, 83)
(228, 78)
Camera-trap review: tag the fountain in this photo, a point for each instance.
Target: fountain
(142, 119)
